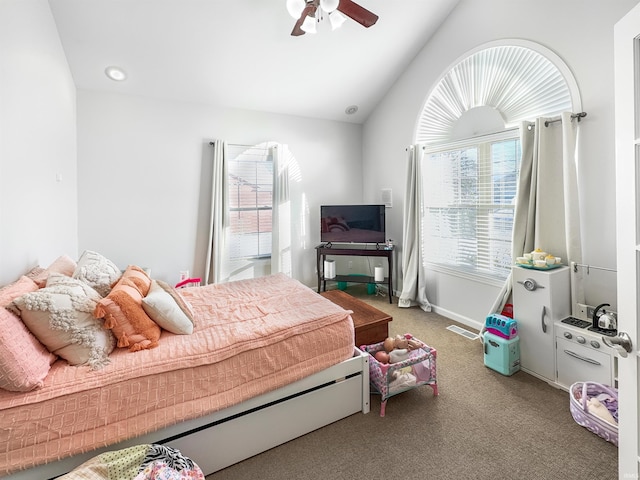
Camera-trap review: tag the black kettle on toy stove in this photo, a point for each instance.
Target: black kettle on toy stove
(605, 320)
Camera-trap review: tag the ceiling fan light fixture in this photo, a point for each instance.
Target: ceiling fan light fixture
(295, 7)
(309, 24)
(329, 5)
(336, 19)
(337, 12)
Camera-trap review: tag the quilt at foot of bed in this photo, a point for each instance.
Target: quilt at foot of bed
(140, 462)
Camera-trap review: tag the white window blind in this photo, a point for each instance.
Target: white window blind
(468, 204)
(521, 82)
(250, 184)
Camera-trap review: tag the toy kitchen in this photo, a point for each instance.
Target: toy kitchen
(562, 341)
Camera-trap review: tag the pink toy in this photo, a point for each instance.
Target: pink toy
(189, 282)
(501, 326)
(388, 379)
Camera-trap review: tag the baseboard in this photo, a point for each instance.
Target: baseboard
(458, 318)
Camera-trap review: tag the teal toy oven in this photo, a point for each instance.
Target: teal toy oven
(501, 354)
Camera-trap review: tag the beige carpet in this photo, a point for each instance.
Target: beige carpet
(483, 425)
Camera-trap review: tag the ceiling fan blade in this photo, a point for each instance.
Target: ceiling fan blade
(360, 14)
(297, 31)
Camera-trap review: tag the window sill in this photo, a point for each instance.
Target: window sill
(467, 275)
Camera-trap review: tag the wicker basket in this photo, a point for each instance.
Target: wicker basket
(579, 393)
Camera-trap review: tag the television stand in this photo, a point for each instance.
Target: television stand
(328, 249)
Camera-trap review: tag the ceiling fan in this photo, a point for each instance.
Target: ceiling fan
(308, 12)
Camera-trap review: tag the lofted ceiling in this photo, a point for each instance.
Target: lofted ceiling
(240, 53)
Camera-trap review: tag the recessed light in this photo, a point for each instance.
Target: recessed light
(115, 73)
(351, 109)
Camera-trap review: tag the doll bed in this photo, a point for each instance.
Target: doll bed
(264, 353)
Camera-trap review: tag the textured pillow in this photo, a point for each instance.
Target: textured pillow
(35, 272)
(24, 361)
(10, 292)
(163, 309)
(123, 313)
(63, 264)
(97, 272)
(61, 317)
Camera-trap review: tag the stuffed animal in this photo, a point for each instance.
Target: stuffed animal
(597, 408)
(396, 349)
(400, 342)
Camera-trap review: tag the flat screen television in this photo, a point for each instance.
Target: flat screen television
(352, 224)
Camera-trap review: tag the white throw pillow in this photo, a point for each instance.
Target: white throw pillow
(163, 309)
(97, 271)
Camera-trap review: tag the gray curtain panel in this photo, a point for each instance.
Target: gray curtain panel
(414, 291)
(547, 213)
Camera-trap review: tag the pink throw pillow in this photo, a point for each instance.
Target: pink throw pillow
(24, 361)
(64, 264)
(10, 292)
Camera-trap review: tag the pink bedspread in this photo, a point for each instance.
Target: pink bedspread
(250, 337)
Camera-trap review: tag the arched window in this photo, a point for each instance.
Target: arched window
(468, 131)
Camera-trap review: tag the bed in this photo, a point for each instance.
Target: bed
(268, 360)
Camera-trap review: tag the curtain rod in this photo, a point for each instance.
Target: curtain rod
(246, 145)
(462, 140)
(579, 116)
(575, 266)
(233, 144)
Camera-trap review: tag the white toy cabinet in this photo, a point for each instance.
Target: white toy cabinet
(540, 297)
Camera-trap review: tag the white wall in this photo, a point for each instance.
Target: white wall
(144, 169)
(38, 216)
(581, 33)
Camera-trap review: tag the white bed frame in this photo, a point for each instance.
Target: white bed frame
(236, 433)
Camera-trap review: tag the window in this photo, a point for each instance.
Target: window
(468, 204)
(250, 182)
(469, 173)
(520, 80)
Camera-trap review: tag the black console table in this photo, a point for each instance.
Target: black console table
(326, 249)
